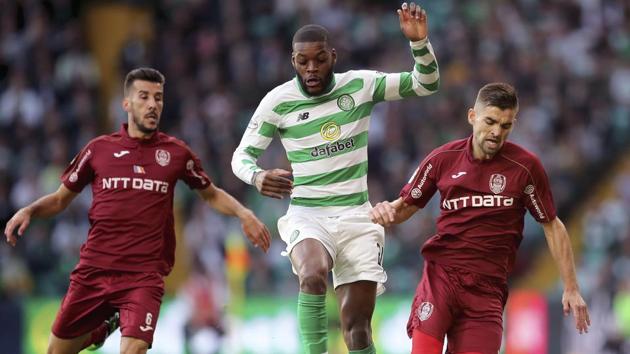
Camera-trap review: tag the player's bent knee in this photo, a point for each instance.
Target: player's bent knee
(422, 343)
(130, 345)
(313, 281)
(357, 336)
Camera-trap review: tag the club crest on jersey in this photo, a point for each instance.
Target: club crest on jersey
(497, 183)
(424, 311)
(330, 131)
(162, 157)
(416, 193)
(345, 102)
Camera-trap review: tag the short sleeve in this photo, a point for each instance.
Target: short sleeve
(79, 172)
(538, 196)
(194, 175)
(421, 186)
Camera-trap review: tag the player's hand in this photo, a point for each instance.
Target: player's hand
(383, 213)
(573, 302)
(274, 183)
(256, 231)
(20, 220)
(413, 21)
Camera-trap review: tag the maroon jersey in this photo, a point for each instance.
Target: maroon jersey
(482, 204)
(133, 181)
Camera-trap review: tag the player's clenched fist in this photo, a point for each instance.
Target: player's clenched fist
(274, 183)
(383, 213)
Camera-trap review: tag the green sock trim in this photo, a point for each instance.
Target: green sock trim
(368, 350)
(313, 323)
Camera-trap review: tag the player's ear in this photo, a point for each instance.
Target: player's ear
(125, 104)
(334, 56)
(293, 60)
(471, 115)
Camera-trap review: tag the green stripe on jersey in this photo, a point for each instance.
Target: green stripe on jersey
(333, 200)
(427, 69)
(292, 106)
(420, 52)
(405, 88)
(253, 151)
(313, 127)
(326, 150)
(432, 86)
(267, 129)
(379, 89)
(341, 175)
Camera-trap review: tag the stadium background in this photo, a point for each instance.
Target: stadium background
(62, 63)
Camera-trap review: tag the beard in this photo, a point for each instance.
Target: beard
(327, 80)
(143, 128)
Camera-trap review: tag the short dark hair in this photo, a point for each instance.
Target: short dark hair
(144, 74)
(498, 94)
(311, 33)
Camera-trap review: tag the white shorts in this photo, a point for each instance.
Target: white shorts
(354, 243)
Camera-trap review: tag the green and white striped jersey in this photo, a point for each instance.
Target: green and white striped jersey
(326, 136)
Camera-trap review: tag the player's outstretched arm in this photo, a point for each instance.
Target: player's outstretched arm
(276, 183)
(254, 229)
(560, 247)
(46, 206)
(388, 213)
(424, 78)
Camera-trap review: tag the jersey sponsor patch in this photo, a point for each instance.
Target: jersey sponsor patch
(529, 189)
(424, 311)
(134, 183)
(330, 131)
(162, 157)
(497, 183)
(416, 193)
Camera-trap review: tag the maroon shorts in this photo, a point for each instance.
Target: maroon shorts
(467, 307)
(95, 294)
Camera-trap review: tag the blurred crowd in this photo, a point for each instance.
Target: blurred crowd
(569, 60)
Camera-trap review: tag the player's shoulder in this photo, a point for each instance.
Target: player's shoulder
(166, 139)
(101, 140)
(364, 74)
(451, 148)
(519, 154)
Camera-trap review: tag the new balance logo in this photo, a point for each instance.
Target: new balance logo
(121, 153)
(459, 174)
(302, 116)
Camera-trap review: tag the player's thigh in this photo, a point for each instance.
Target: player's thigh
(480, 326)
(58, 345)
(356, 303)
(140, 306)
(434, 307)
(310, 246)
(130, 345)
(82, 309)
(360, 248)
